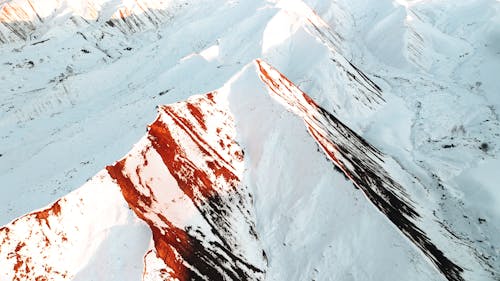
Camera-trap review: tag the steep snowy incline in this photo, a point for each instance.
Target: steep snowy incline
(187, 180)
(439, 57)
(79, 86)
(83, 235)
(362, 163)
(182, 180)
(414, 79)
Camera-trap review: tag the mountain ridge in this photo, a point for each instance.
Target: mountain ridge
(194, 142)
(409, 106)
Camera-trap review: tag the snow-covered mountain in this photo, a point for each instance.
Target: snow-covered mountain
(367, 151)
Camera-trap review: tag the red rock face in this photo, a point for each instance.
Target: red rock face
(205, 162)
(24, 266)
(166, 245)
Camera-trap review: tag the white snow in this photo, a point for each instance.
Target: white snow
(79, 101)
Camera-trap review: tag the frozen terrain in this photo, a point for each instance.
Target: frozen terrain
(294, 140)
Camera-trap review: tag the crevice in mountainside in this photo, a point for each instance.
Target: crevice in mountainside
(362, 163)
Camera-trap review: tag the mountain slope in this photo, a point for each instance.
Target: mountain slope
(205, 228)
(360, 162)
(184, 181)
(411, 121)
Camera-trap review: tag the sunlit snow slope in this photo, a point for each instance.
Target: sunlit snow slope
(384, 170)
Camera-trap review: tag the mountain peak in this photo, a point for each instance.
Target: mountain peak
(184, 181)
